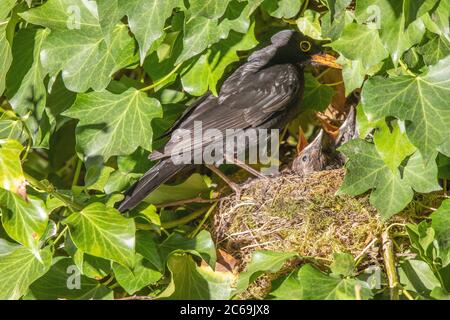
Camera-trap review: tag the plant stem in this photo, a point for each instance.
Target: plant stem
(76, 175)
(50, 190)
(157, 83)
(405, 67)
(389, 262)
(210, 210)
(61, 234)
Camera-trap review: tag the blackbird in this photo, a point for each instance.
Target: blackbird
(264, 92)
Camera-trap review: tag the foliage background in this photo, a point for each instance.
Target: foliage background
(81, 81)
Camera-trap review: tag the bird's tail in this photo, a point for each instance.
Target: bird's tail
(155, 177)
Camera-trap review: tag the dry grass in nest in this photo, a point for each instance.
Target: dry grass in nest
(303, 215)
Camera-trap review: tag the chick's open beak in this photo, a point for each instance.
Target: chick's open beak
(325, 59)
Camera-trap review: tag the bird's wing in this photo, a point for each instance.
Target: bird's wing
(253, 102)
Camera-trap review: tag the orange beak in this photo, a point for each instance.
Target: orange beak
(325, 59)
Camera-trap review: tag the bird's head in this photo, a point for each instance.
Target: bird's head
(295, 47)
(315, 156)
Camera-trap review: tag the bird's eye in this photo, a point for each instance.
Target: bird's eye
(305, 46)
(305, 158)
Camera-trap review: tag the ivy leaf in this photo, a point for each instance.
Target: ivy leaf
(11, 173)
(21, 268)
(417, 276)
(309, 24)
(282, 8)
(199, 33)
(191, 282)
(12, 130)
(422, 102)
(353, 45)
(76, 45)
(5, 48)
(24, 221)
(64, 281)
(142, 274)
(392, 146)
(317, 96)
(211, 9)
(114, 124)
(420, 175)
(202, 245)
(147, 18)
(399, 29)
(262, 261)
(103, 232)
(440, 220)
(26, 89)
(434, 50)
(343, 264)
(319, 286)
(366, 170)
(206, 71)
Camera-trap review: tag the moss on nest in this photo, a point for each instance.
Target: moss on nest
(290, 213)
(303, 215)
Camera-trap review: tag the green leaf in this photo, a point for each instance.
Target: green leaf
(202, 245)
(194, 186)
(399, 29)
(147, 246)
(26, 89)
(262, 261)
(343, 264)
(417, 276)
(392, 146)
(287, 288)
(64, 281)
(441, 224)
(146, 19)
(199, 34)
(317, 96)
(5, 48)
(12, 129)
(24, 221)
(103, 232)
(76, 45)
(366, 170)
(420, 175)
(191, 282)
(422, 102)
(11, 173)
(211, 9)
(282, 8)
(114, 124)
(142, 274)
(309, 24)
(21, 268)
(435, 49)
(319, 286)
(7, 247)
(206, 71)
(353, 45)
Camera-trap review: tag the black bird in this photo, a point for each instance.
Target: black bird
(264, 92)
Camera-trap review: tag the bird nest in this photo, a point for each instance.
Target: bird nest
(303, 215)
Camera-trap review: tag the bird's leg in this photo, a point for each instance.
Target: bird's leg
(230, 183)
(245, 166)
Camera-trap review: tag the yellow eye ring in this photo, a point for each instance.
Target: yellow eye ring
(305, 46)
